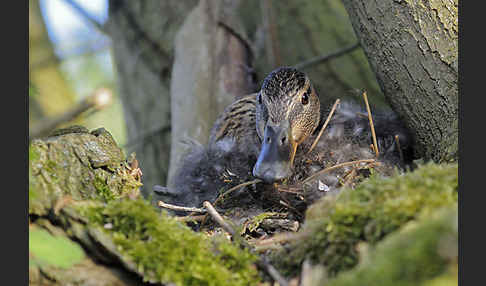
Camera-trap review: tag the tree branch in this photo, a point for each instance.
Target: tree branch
(100, 99)
(320, 59)
(82, 12)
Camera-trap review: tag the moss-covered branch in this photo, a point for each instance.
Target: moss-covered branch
(84, 193)
(377, 207)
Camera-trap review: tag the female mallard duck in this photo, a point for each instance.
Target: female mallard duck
(267, 135)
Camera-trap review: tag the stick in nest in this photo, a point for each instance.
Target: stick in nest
(399, 148)
(190, 218)
(179, 208)
(324, 126)
(278, 239)
(220, 197)
(218, 218)
(335, 167)
(371, 123)
(263, 263)
(349, 177)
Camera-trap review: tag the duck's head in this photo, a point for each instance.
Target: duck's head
(287, 112)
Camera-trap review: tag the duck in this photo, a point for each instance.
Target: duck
(267, 136)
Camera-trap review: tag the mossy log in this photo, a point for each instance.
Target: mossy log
(423, 252)
(88, 223)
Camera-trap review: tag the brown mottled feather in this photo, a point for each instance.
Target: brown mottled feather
(237, 122)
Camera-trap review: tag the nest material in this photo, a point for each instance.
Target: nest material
(209, 171)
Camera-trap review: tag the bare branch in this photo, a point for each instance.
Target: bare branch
(324, 58)
(81, 11)
(146, 136)
(99, 99)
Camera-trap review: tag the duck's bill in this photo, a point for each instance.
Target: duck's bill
(276, 154)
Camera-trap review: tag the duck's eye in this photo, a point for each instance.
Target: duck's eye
(305, 98)
(259, 98)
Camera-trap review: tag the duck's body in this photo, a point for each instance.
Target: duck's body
(268, 134)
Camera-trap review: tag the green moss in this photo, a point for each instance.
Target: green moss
(167, 251)
(253, 224)
(33, 154)
(377, 207)
(58, 251)
(423, 252)
(103, 191)
(79, 164)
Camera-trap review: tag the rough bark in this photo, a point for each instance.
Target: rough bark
(412, 47)
(211, 69)
(142, 34)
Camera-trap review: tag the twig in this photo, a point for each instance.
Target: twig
(262, 262)
(142, 138)
(371, 124)
(218, 218)
(399, 148)
(324, 126)
(349, 177)
(288, 206)
(279, 238)
(81, 11)
(289, 189)
(179, 208)
(99, 99)
(335, 167)
(237, 35)
(273, 272)
(220, 197)
(323, 58)
(190, 218)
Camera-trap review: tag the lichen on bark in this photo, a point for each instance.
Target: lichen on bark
(82, 165)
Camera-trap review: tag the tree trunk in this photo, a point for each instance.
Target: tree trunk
(142, 33)
(412, 47)
(212, 68)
